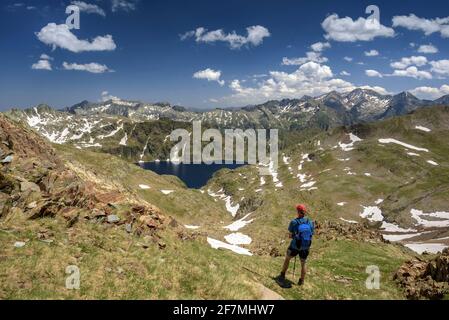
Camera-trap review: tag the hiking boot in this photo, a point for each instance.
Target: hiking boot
(300, 282)
(282, 282)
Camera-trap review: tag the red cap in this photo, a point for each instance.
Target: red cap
(301, 208)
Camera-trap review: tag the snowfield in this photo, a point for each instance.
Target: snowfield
(406, 145)
(420, 248)
(349, 146)
(216, 244)
(423, 128)
(439, 219)
(238, 239)
(239, 224)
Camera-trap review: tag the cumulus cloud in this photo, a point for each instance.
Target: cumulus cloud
(105, 96)
(378, 89)
(427, 49)
(60, 36)
(42, 64)
(441, 67)
(89, 8)
(123, 5)
(430, 92)
(209, 75)
(310, 78)
(405, 62)
(373, 73)
(412, 72)
(348, 59)
(310, 56)
(45, 57)
(88, 67)
(428, 26)
(348, 30)
(371, 53)
(320, 46)
(345, 73)
(255, 36)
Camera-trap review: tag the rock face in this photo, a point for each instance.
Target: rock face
(330, 230)
(37, 183)
(425, 279)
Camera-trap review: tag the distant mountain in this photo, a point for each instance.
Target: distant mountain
(138, 131)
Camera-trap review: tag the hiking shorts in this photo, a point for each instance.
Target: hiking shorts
(303, 254)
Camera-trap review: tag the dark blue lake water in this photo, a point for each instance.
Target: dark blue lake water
(194, 176)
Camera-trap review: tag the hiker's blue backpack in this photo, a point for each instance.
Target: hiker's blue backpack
(304, 234)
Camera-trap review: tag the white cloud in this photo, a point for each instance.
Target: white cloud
(255, 36)
(42, 65)
(310, 78)
(418, 61)
(320, 46)
(349, 59)
(428, 26)
(105, 96)
(428, 49)
(123, 5)
(348, 30)
(345, 73)
(430, 92)
(89, 8)
(378, 89)
(371, 53)
(60, 36)
(310, 56)
(441, 67)
(45, 57)
(412, 72)
(209, 75)
(373, 73)
(88, 67)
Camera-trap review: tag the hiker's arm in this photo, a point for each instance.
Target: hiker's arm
(291, 230)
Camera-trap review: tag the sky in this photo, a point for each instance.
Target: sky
(216, 53)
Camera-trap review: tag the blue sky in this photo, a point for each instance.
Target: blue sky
(209, 54)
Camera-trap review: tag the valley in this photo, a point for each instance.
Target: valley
(200, 243)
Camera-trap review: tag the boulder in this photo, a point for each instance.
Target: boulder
(5, 204)
(8, 159)
(425, 279)
(113, 218)
(148, 221)
(29, 186)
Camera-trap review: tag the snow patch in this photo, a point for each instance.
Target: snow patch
(423, 128)
(239, 224)
(373, 214)
(349, 221)
(406, 145)
(238, 239)
(441, 219)
(191, 227)
(349, 146)
(216, 244)
(420, 248)
(144, 187)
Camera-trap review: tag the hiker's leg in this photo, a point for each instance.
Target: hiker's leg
(303, 269)
(286, 264)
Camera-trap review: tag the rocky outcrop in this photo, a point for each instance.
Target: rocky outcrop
(331, 230)
(425, 279)
(37, 184)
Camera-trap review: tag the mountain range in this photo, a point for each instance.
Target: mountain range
(124, 127)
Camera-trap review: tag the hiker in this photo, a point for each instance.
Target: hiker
(301, 232)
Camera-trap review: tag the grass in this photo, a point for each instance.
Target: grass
(114, 266)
